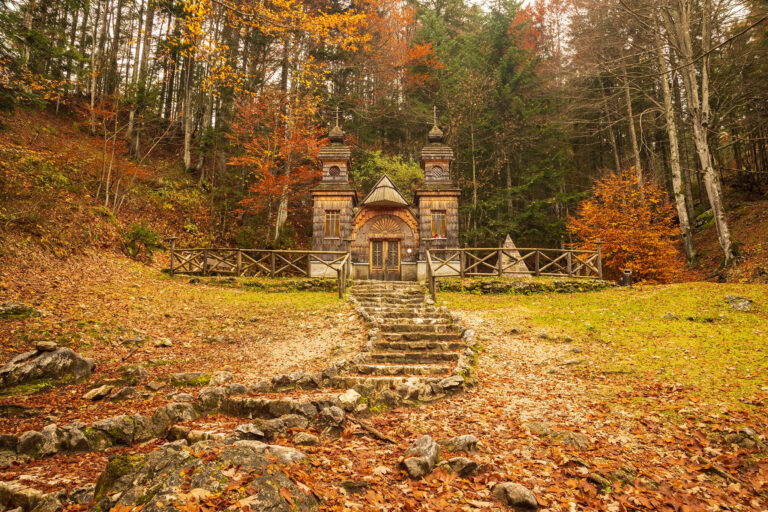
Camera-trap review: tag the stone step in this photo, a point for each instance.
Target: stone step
(417, 299)
(386, 296)
(410, 346)
(423, 357)
(364, 382)
(392, 370)
(419, 327)
(419, 336)
(405, 315)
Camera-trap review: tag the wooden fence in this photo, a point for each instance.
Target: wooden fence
(479, 262)
(259, 263)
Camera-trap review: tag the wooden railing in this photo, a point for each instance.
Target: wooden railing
(259, 263)
(478, 262)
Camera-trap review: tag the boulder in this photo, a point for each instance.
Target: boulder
(98, 393)
(421, 457)
(249, 431)
(46, 346)
(82, 495)
(349, 400)
(126, 393)
(515, 496)
(189, 379)
(462, 466)
(742, 304)
(466, 443)
(17, 310)
(219, 378)
(306, 439)
(59, 366)
(452, 382)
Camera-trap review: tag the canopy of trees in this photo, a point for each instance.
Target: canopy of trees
(538, 101)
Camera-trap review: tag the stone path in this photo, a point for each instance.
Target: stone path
(408, 338)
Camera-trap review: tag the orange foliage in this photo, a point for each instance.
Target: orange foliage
(271, 143)
(636, 226)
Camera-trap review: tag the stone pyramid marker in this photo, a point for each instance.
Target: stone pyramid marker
(519, 268)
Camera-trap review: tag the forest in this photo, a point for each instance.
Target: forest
(538, 99)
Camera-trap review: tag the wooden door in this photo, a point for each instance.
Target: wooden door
(385, 260)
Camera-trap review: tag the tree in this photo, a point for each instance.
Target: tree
(636, 224)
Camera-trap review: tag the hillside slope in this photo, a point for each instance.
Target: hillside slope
(50, 170)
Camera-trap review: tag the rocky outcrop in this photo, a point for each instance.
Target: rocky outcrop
(46, 364)
(204, 473)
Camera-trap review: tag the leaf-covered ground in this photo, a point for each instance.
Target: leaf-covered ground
(654, 396)
(116, 311)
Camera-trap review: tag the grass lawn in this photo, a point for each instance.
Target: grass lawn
(684, 334)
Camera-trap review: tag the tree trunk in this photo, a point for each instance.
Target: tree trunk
(698, 108)
(282, 207)
(674, 154)
(632, 134)
(188, 114)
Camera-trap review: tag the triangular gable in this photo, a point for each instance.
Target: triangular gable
(384, 193)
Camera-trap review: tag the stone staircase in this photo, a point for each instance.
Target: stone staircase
(410, 338)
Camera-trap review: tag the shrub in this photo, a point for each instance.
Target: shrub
(636, 225)
(140, 242)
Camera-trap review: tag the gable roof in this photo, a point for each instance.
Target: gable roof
(384, 193)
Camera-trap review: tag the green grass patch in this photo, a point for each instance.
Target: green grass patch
(682, 333)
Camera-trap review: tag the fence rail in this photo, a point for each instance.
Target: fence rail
(259, 263)
(481, 261)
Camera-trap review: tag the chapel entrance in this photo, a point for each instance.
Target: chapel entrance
(385, 260)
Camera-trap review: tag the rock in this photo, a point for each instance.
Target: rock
(515, 496)
(349, 399)
(354, 486)
(46, 346)
(177, 432)
(465, 443)
(155, 385)
(248, 431)
(219, 378)
(572, 439)
(182, 397)
(59, 366)
(539, 428)
(17, 310)
(117, 429)
(126, 393)
(211, 397)
(82, 495)
(134, 373)
(13, 494)
(98, 393)
(599, 480)
(462, 466)
(163, 342)
(670, 316)
(306, 439)
(263, 386)
(421, 457)
(189, 379)
(31, 443)
(235, 389)
(742, 304)
(311, 381)
(408, 390)
(452, 382)
(179, 412)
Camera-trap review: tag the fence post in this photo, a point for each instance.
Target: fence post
(570, 265)
(309, 264)
(173, 251)
(499, 269)
(239, 262)
(272, 265)
(599, 259)
(537, 264)
(205, 262)
(462, 263)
